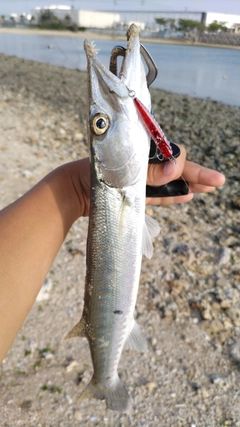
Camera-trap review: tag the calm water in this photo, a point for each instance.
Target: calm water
(196, 71)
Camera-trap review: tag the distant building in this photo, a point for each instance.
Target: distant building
(93, 19)
(82, 18)
(227, 19)
(236, 28)
(149, 18)
(145, 20)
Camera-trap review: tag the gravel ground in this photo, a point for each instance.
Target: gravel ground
(188, 303)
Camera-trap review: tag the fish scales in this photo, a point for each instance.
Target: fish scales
(109, 305)
(117, 232)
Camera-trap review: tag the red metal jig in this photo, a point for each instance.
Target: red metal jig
(153, 128)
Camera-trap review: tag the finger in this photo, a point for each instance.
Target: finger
(198, 188)
(160, 174)
(197, 174)
(165, 201)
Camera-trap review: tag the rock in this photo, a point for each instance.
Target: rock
(206, 314)
(77, 415)
(225, 303)
(214, 327)
(73, 365)
(78, 136)
(169, 309)
(45, 290)
(218, 381)
(231, 241)
(27, 173)
(235, 352)
(151, 387)
(62, 132)
(26, 404)
(224, 256)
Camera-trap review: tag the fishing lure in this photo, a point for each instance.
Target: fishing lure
(166, 150)
(153, 128)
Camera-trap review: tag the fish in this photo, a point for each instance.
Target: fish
(119, 232)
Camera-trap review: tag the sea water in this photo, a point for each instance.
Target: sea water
(203, 72)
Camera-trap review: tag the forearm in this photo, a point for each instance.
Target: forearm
(32, 230)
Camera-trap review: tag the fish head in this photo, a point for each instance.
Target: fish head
(119, 142)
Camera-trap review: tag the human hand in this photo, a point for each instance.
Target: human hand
(199, 178)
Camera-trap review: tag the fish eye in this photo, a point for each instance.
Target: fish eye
(100, 123)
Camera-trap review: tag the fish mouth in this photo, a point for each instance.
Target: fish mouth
(104, 81)
(100, 79)
(117, 152)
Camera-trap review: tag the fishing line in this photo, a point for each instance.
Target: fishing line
(209, 224)
(163, 146)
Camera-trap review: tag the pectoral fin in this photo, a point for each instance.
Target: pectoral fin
(150, 230)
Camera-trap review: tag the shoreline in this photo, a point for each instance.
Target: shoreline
(35, 63)
(94, 35)
(168, 92)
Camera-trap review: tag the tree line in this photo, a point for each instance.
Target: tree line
(48, 20)
(188, 25)
(45, 20)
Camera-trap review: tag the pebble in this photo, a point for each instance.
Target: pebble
(77, 415)
(45, 290)
(235, 351)
(170, 308)
(217, 380)
(69, 399)
(73, 365)
(224, 256)
(27, 174)
(78, 136)
(151, 386)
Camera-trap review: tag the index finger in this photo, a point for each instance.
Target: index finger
(197, 174)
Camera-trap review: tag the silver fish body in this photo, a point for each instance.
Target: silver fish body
(117, 234)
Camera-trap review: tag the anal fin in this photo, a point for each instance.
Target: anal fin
(136, 340)
(77, 331)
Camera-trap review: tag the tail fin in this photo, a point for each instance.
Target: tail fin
(116, 395)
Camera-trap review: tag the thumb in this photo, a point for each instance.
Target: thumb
(160, 174)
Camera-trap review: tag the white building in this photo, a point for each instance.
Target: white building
(149, 18)
(145, 20)
(82, 18)
(229, 20)
(93, 19)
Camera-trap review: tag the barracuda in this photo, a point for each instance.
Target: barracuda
(118, 231)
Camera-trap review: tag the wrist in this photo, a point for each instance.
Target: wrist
(75, 177)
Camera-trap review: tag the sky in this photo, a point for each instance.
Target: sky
(221, 6)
